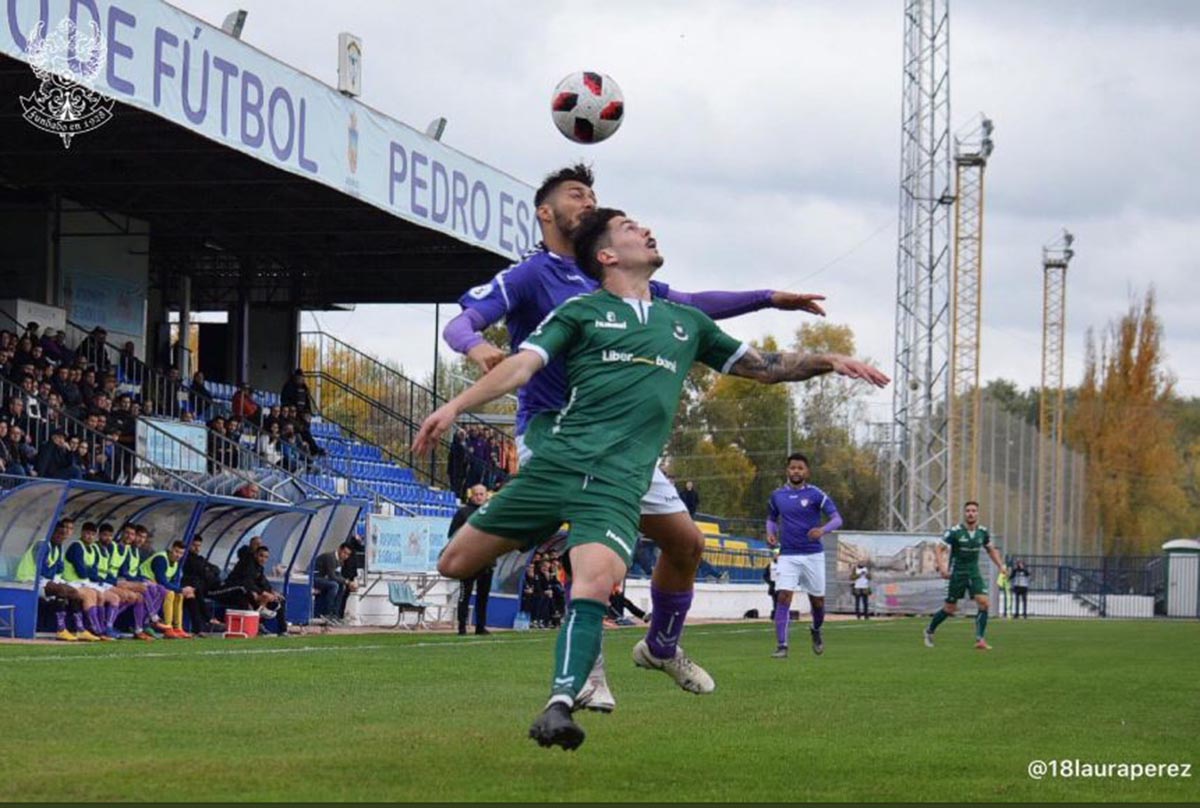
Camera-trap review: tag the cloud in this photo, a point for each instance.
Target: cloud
(762, 143)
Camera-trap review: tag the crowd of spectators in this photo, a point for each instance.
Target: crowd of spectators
(543, 592)
(63, 416)
(480, 455)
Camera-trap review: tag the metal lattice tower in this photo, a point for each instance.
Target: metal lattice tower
(966, 400)
(1055, 258)
(917, 486)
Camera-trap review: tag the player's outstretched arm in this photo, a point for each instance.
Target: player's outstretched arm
(504, 378)
(464, 335)
(722, 305)
(770, 367)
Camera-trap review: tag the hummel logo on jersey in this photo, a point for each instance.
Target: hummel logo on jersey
(680, 333)
(610, 321)
(564, 681)
(480, 292)
(575, 278)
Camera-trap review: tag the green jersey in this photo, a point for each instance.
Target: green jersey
(965, 546)
(626, 363)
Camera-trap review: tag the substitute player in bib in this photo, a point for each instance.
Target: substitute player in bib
(627, 356)
(965, 540)
(522, 296)
(799, 514)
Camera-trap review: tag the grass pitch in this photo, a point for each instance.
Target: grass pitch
(427, 717)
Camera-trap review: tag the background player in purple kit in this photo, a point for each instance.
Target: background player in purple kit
(523, 295)
(794, 524)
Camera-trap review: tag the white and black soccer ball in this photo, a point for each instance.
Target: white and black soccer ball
(587, 107)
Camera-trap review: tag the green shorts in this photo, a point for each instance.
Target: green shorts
(965, 585)
(535, 503)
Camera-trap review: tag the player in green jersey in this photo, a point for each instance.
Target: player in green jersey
(965, 540)
(627, 357)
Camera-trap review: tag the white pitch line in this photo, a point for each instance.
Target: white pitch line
(84, 656)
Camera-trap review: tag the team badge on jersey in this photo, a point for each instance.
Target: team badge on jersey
(480, 292)
(679, 332)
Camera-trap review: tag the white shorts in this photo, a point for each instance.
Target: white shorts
(660, 499)
(802, 573)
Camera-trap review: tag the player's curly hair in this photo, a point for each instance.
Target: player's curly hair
(579, 172)
(592, 236)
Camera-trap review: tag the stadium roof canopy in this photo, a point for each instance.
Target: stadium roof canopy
(253, 176)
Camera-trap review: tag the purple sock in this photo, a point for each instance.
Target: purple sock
(60, 618)
(139, 616)
(77, 618)
(818, 615)
(154, 599)
(110, 614)
(93, 618)
(782, 615)
(668, 611)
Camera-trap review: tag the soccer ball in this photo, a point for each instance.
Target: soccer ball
(587, 107)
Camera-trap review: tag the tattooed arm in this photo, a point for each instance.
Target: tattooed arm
(770, 367)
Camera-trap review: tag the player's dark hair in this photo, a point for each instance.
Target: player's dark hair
(800, 457)
(106, 527)
(592, 236)
(88, 527)
(178, 545)
(577, 173)
(970, 502)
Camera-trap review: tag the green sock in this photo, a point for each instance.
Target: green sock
(577, 648)
(981, 624)
(938, 617)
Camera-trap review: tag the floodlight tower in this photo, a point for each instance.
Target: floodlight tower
(1055, 257)
(970, 160)
(917, 485)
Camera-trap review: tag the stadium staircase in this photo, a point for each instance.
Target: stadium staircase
(376, 404)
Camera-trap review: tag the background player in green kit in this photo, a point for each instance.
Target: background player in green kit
(965, 540)
(627, 357)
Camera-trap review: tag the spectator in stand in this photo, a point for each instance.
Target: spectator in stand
(166, 393)
(331, 584)
(29, 395)
(459, 462)
(203, 577)
(690, 497)
(108, 386)
(248, 491)
(15, 415)
(482, 582)
(199, 396)
(55, 347)
(7, 464)
(185, 416)
(129, 367)
(68, 390)
(24, 352)
(268, 445)
(219, 447)
(248, 585)
(54, 459)
(295, 392)
(245, 407)
(90, 460)
(31, 331)
(122, 421)
(88, 386)
(93, 349)
(22, 451)
(304, 433)
(292, 450)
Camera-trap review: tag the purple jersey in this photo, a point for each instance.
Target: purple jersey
(523, 295)
(795, 511)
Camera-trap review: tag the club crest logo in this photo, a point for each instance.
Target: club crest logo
(804, 503)
(679, 332)
(67, 61)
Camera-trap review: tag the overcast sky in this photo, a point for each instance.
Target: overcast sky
(761, 142)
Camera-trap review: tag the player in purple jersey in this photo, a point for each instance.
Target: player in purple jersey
(799, 514)
(523, 295)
